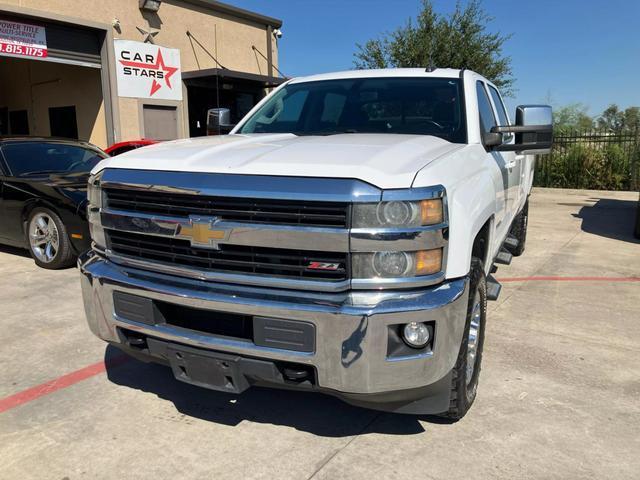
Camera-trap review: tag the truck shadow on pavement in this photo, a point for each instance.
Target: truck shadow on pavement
(314, 413)
(610, 218)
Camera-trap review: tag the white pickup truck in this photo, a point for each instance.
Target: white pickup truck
(341, 239)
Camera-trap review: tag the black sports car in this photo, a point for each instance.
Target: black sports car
(43, 195)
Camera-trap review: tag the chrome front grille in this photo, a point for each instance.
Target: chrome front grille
(284, 263)
(266, 231)
(245, 210)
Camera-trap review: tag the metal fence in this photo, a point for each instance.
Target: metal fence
(600, 160)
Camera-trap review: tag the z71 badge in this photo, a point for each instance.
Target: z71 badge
(323, 266)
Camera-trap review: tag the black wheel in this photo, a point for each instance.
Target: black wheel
(519, 229)
(465, 374)
(48, 240)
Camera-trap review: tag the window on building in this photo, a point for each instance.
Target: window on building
(19, 122)
(63, 122)
(4, 120)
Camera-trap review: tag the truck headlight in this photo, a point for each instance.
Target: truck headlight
(94, 192)
(94, 195)
(396, 264)
(398, 214)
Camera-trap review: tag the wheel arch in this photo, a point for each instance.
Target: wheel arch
(481, 243)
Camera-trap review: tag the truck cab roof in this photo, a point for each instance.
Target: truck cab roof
(383, 72)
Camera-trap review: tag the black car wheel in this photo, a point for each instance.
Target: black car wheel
(48, 239)
(465, 374)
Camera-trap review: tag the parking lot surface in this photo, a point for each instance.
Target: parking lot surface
(559, 395)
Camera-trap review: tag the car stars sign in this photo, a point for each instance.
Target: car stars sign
(145, 70)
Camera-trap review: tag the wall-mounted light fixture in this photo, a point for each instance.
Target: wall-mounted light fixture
(150, 5)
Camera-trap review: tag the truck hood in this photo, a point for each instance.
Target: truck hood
(383, 160)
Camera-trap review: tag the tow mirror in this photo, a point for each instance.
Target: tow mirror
(533, 130)
(219, 121)
(492, 140)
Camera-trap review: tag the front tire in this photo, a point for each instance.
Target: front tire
(465, 374)
(48, 240)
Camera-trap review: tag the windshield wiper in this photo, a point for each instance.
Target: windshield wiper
(323, 133)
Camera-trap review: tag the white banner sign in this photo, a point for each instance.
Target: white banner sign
(22, 39)
(145, 70)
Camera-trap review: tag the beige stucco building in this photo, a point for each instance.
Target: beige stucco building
(84, 81)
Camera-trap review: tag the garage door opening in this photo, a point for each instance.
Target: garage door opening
(52, 99)
(213, 88)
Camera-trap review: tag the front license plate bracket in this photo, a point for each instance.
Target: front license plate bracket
(218, 371)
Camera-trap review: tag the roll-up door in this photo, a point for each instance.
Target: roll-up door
(73, 45)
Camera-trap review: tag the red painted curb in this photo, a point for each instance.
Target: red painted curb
(59, 383)
(569, 279)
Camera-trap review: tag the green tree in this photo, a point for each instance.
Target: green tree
(458, 40)
(572, 117)
(612, 118)
(632, 119)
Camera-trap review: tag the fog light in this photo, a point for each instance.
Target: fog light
(416, 334)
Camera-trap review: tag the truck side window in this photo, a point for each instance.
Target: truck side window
(497, 101)
(487, 119)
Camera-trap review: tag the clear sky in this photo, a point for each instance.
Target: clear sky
(584, 51)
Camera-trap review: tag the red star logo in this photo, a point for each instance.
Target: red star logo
(159, 65)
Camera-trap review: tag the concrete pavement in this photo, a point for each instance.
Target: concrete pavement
(559, 393)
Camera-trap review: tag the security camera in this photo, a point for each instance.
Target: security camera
(278, 33)
(115, 23)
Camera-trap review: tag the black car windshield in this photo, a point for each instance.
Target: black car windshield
(405, 105)
(32, 158)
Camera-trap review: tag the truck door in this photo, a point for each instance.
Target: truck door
(502, 160)
(516, 163)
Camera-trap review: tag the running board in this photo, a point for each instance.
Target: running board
(510, 243)
(493, 288)
(504, 257)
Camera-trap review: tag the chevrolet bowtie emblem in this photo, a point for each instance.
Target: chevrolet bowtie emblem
(202, 232)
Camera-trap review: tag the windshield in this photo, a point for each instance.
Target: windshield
(32, 158)
(417, 106)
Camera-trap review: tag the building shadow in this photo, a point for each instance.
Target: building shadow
(310, 412)
(610, 218)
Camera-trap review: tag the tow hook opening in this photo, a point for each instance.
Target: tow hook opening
(296, 374)
(134, 340)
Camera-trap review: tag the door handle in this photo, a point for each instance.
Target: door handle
(511, 164)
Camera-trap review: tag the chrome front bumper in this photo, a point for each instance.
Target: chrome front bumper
(351, 327)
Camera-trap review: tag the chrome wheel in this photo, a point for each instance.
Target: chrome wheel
(44, 237)
(474, 336)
